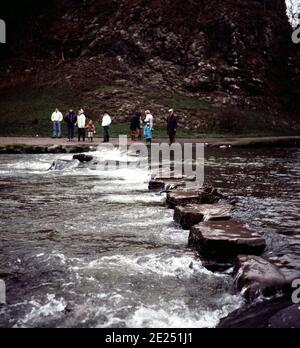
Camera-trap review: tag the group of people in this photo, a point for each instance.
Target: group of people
(138, 126)
(80, 121)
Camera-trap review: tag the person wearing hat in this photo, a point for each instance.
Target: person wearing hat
(81, 119)
(171, 126)
(149, 118)
(106, 122)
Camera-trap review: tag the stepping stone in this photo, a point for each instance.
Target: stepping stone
(183, 197)
(256, 276)
(165, 184)
(224, 240)
(173, 175)
(169, 181)
(191, 214)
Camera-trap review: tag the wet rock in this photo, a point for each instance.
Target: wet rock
(286, 318)
(288, 267)
(256, 276)
(255, 315)
(63, 164)
(166, 184)
(217, 266)
(183, 197)
(55, 149)
(222, 241)
(83, 158)
(174, 175)
(70, 307)
(191, 214)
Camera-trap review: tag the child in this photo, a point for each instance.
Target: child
(148, 133)
(91, 130)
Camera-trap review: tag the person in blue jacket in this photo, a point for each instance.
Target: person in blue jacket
(70, 120)
(148, 133)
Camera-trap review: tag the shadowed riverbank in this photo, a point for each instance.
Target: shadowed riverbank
(23, 145)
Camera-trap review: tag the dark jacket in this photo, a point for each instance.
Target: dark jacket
(171, 124)
(134, 122)
(70, 118)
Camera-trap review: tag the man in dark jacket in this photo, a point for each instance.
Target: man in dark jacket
(135, 125)
(171, 126)
(70, 119)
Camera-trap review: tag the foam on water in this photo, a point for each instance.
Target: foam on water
(176, 314)
(162, 264)
(40, 312)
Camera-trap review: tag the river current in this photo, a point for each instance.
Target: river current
(86, 247)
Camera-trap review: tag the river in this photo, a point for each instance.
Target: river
(85, 247)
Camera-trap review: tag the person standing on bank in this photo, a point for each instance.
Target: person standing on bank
(91, 130)
(106, 122)
(134, 125)
(81, 119)
(171, 126)
(70, 120)
(148, 133)
(56, 119)
(149, 119)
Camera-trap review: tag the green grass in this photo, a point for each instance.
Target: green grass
(27, 112)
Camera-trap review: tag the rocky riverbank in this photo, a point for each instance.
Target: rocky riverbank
(23, 145)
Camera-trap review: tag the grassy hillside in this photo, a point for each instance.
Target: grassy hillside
(26, 112)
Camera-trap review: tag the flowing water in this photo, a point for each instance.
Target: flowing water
(85, 247)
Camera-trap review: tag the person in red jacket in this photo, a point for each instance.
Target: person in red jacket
(91, 130)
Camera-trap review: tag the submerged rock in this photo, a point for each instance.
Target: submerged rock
(208, 195)
(256, 276)
(83, 158)
(224, 240)
(63, 164)
(191, 214)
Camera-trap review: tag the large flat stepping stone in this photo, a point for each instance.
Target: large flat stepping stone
(224, 240)
(191, 214)
(257, 276)
(183, 197)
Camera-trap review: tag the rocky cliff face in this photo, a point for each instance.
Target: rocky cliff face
(214, 61)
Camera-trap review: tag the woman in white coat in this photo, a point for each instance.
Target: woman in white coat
(81, 120)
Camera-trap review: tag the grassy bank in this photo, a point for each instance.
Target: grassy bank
(26, 112)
